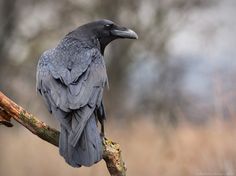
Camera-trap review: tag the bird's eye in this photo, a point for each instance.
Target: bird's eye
(108, 26)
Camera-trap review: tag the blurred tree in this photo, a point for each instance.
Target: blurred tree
(24, 37)
(7, 25)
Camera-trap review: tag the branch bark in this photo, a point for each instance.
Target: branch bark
(9, 109)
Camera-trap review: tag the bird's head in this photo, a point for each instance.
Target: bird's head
(106, 31)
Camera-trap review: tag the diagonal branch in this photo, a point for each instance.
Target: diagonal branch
(9, 109)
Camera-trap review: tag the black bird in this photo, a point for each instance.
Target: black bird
(71, 78)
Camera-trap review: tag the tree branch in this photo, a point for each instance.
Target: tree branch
(9, 109)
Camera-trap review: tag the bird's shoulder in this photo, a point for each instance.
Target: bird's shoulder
(70, 59)
(44, 62)
(75, 76)
(74, 52)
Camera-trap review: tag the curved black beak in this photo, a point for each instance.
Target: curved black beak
(124, 33)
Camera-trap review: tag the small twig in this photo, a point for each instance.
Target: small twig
(9, 109)
(5, 118)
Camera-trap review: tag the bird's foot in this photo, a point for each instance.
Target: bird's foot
(102, 135)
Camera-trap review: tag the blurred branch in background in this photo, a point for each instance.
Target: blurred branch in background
(112, 151)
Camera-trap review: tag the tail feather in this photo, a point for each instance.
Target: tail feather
(78, 124)
(88, 149)
(64, 147)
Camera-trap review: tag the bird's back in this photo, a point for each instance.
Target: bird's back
(71, 78)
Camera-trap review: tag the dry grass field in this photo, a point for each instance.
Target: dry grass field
(148, 149)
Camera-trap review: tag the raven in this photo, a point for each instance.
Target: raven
(71, 78)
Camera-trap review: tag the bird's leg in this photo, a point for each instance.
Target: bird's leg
(101, 117)
(102, 128)
(101, 120)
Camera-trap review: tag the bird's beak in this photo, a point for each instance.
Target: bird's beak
(124, 33)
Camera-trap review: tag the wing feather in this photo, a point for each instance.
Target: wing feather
(71, 89)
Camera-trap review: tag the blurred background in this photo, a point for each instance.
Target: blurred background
(171, 102)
